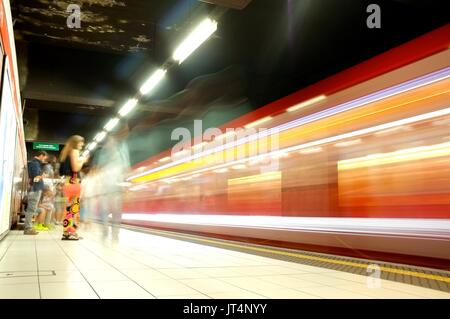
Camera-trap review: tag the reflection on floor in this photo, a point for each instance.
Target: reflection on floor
(140, 265)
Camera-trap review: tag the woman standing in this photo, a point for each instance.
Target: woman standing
(71, 165)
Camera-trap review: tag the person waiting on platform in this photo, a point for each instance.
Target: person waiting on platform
(35, 191)
(71, 165)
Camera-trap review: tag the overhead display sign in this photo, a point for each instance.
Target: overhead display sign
(45, 146)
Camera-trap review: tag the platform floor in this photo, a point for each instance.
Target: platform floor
(141, 265)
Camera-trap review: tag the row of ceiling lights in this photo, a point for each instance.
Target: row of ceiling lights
(193, 41)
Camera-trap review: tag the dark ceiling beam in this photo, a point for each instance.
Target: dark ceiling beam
(65, 98)
(233, 4)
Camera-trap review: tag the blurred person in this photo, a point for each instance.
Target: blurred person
(70, 167)
(48, 167)
(88, 193)
(60, 203)
(36, 185)
(83, 195)
(114, 162)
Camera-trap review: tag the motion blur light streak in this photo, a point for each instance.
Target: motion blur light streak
(258, 122)
(311, 150)
(200, 145)
(411, 154)
(225, 135)
(221, 170)
(348, 143)
(377, 96)
(264, 177)
(365, 172)
(398, 226)
(394, 130)
(306, 103)
(199, 35)
(314, 143)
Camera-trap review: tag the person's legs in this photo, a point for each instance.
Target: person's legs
(69, 230)
(104, 212)
(33, 201)
(116, 214)
(41, 216)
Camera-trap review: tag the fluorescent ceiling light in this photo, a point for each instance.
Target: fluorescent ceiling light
(239, 166)
(85, 153)
(263, 120)
(128, 107)
(92, 146)
(111, 124)
(100, 136)
(164, 159)
(195, 39)
(312, 101)
(152, 81)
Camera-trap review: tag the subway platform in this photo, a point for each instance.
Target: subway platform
(135, 263)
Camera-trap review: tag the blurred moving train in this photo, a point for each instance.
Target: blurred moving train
(357, 164)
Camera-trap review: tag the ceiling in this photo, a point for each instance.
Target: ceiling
(72, 80)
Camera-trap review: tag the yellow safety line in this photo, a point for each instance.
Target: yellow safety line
(315, 258)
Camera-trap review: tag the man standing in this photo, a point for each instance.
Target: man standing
(35, 192)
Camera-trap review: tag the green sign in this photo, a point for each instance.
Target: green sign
(45, 146)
